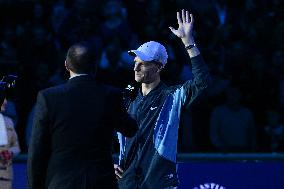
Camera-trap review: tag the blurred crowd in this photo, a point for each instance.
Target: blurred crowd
(241, 41)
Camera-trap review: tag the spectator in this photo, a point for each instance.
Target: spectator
(9, 148)
(275, 130)
(232, 125)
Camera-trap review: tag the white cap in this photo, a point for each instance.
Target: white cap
(151, 51)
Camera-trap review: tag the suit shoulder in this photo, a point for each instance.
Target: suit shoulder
(53, 90)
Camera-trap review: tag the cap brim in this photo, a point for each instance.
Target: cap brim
(140, 54)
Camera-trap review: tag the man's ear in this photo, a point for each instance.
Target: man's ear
(159, 68)
(66, 66)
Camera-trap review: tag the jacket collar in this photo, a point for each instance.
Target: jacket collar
(160, 86)
(81, 78)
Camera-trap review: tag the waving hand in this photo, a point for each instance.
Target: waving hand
(185, 27)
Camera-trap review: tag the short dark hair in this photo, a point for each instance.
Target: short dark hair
(159, 64)
(81, 58)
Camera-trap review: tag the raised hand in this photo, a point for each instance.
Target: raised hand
(185, 27)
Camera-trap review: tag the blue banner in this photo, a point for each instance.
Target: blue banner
(231, 175)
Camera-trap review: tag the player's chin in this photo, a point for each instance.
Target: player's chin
(138, 78)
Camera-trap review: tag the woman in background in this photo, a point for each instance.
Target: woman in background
(9, 147)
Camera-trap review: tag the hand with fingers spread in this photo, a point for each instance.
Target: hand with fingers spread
(185, 27)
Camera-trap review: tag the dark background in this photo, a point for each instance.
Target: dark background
(241, 41)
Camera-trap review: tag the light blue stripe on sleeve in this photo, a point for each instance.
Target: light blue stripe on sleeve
(166, 128)
(122, 141)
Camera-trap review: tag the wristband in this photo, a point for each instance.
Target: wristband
(188, 47)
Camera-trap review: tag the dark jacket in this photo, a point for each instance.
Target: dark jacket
(72, 136)
(149, 158)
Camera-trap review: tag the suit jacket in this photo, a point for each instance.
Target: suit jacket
(72, 135)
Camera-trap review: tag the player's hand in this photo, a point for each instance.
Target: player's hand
(185, 27)
(118, 171)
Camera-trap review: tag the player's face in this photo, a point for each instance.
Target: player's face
(145, 72)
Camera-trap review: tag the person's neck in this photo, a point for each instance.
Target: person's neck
(148, 87)
(72, 74)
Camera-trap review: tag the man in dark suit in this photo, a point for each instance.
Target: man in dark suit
(73, 129)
